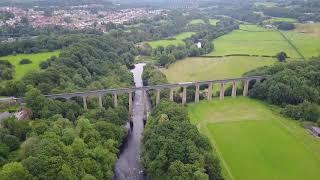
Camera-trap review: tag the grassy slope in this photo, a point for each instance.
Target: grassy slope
(36, 59)
(253, 43)
(255, 142)
(196, 21)
(278, 19)
(178, 40)
(306, 37)
(213, 21)
(200, 69)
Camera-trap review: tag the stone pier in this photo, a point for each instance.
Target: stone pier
(157, 88)
(171, 94)
(234, 89)
(246, 87)
(85, 106)
(158, 94)
(222, 91)
(130, 103)
(100, 100)
(197, 95)
(184, 95)
(209, 91)
(115, 100)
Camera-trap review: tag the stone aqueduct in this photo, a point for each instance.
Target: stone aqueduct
(158, 88)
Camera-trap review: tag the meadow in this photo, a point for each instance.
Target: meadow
(253, 141)
(203, 68)
(253, 40)
(278, 19)
(21, 70)
(213, 21)
(306, 37)
(177, 40)
(196, 21)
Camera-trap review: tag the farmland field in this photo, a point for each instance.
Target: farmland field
(213, 21)
(196, 21)
(278, 19)
(254, 141)
(21, 70)
(200, 69)
(310, 29)
(178, 40)
(244, 41)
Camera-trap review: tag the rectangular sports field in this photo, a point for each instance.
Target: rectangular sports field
(254, 142)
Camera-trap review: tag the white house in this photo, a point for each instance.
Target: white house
(199, 45)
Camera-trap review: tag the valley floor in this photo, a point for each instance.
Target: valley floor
(255, 142)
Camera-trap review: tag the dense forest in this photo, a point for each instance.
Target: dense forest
(173, 148)
(62, 140)
(294, 86)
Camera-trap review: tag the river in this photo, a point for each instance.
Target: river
(129, 166)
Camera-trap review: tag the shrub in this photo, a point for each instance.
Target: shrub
(282, 56)
(304, 111)
(25, 61)
(285, 26)
(11, 141)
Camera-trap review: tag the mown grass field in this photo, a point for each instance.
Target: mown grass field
(21, 70)
(306, 37)
(178, 40)
(196, 21)
(252, 40)
(254, 141)
(278, 19)
(201, 69)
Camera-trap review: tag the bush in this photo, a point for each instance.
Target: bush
(282, 56)
(304, 111)
(25, 61)
(11, 141)
(4, 150)
(285, 26)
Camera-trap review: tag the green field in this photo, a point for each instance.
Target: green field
(213, 21)
(306, 37)
(36, 59)
(278, 19)
(201, 69)
(178, 40)
(257, 42)
(266, 4)
(196, 21)
(254, 142)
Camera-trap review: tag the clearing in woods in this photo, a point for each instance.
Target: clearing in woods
(22, 69)
(176, 40)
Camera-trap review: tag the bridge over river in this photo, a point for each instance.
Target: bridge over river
(128, 166)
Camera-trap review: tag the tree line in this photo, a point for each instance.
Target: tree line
(89, 62)
(206, 33)
(294, 86)
(173, 148)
